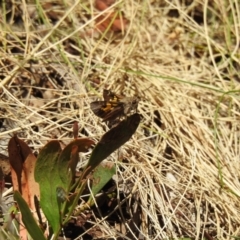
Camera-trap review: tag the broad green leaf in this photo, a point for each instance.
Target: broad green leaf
(68, 159)
(112, 140)
(28, 219)
(47, 175)
(101, 176)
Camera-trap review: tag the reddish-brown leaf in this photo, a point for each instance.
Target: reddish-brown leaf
(75, 130)
(74, 161)
(18, 152)
(114, 23)
(111, 20)
(103, 4)
(31, 188)
(2, 184)
(22, 163)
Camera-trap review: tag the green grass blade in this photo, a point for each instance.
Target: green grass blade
(28, 219)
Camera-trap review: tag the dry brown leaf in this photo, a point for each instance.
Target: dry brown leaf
(119, 23)
(103, 4)
(32, 187)
(18, 152)
(23, 162)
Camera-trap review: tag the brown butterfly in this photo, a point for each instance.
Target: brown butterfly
(114, 106)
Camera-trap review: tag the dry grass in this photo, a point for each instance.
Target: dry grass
(181, 171)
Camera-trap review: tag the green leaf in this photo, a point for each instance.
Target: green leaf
(47, 175)
(101, 176)
(69, 157)
(28, 219)
(112, 140)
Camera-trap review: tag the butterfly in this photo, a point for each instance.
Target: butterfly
(114, 106)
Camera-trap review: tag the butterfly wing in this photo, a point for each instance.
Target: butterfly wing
(97, 108)
(116, 112)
